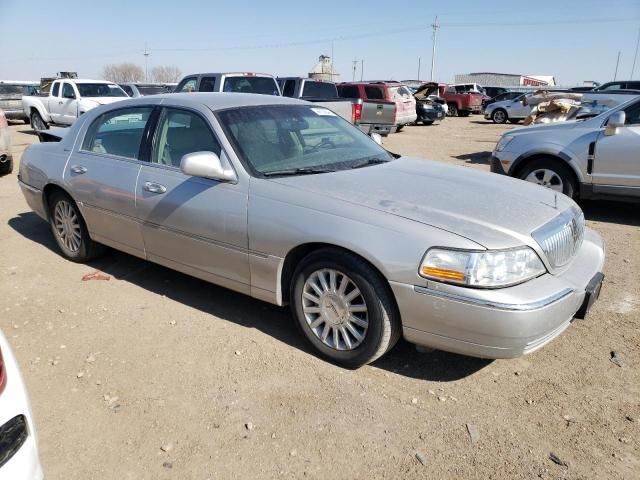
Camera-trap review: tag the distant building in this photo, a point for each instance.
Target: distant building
(506, 79)
(323, 70)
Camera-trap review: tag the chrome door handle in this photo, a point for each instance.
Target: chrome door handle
(79, 169)
(154, 187)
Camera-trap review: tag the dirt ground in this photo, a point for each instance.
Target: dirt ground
(156, 375)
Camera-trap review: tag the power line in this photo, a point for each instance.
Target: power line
(635, 56)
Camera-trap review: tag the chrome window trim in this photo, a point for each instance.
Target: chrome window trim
(518, 307)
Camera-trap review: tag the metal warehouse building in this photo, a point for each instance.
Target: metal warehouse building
(506, 79)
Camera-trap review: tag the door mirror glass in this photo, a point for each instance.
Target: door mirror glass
(205, 165)
(616, 120)
(376, 137)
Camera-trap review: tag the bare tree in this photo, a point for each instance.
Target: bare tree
(123, 72)
(166, 74)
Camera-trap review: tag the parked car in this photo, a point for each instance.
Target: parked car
(68, 99)
(368, 115)
(493, 92)
(500, 98)
(11, 94)
(618, 85)
(287, 202)
(236, 82)
(592, 158)
(428, 108)
(19, 457)
(6, 158)
(405, 112)
(513, 110)
(461, 103)
(136, 90)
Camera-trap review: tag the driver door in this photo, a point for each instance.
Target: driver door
(192, 224)
(616, 166)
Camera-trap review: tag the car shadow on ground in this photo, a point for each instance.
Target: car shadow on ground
(274, 321)
(611, 212)
(481, 158)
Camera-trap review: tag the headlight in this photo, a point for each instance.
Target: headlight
(503, 142)
(488, 269)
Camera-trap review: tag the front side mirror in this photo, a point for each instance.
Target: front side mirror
(616, 120)
(376, 137)
(206, 165)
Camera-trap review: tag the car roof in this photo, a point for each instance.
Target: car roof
(221, 101)
(84, 80)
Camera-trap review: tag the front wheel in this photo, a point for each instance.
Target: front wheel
(399, 128)
(427, 122)
(344, 308)
(514, 120)
(6, 166)
(453, 110)
(551, 174)
(499, 116)
(69, 229)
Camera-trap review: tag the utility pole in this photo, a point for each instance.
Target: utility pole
(635, 56)
(355, 65)
(615, 75)
(332, 60)
(146, 63)
(435, 27)
(419, 60)
(361, 69)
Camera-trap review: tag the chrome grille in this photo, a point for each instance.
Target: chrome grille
(561, 238)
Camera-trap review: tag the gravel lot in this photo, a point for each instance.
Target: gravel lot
(156, 375)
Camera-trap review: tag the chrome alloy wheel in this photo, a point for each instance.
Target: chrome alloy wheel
(335, 309)
(67, 225)
(499, 116)
(546, 178)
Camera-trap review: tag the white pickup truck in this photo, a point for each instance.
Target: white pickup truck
(67, 100)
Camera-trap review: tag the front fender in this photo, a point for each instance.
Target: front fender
(550, 150)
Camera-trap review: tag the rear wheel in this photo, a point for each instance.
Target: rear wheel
(344, 308)
(499, 116)
(552, 174)
(464, 113)
(453, 110)
(427, 122)
(37, 122)
(69, 229)
(514, 120)
(26, 121)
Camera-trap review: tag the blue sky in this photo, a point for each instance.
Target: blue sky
(574, 40)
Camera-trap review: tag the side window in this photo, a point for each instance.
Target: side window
(118, 132)
(207, 84)
(374, 93)
(348, 91)
(55, 90)
(613, 86)
(67, 91)
(128, 90)
(187, 85)
(632, 114)
(289, 88)
(180, 132)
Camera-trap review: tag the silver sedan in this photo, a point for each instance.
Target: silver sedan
(284, 201)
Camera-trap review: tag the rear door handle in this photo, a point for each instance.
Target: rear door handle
(79, 169)
(154, 187)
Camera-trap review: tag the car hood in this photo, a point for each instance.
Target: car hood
(492, 210)
(544, 127)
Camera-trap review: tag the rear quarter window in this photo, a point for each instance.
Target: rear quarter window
(374, 93)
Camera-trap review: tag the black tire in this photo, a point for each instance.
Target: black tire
(399, 128)
(427, 122)
(564, 173)
(514, 120)
(453, 110)
(464, 113)
(6, 167)
(26, 121)
(87, 249)
(384, 327)
(37, 122)
(499, 116)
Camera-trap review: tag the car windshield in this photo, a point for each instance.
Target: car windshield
(100, 90)
(151, 89)
(298, 139)
(245, 84)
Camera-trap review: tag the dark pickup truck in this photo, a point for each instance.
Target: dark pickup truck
(368, 115)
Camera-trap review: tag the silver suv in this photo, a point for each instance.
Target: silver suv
(593, 158)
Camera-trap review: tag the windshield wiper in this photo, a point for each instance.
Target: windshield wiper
(369, 161)
(298, 171)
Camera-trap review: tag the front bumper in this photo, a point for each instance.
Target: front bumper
(429, 115)
(15, 115)
(496, 166)
(500, 323)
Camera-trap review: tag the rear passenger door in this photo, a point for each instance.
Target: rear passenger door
(192, 224)
(102, 174)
